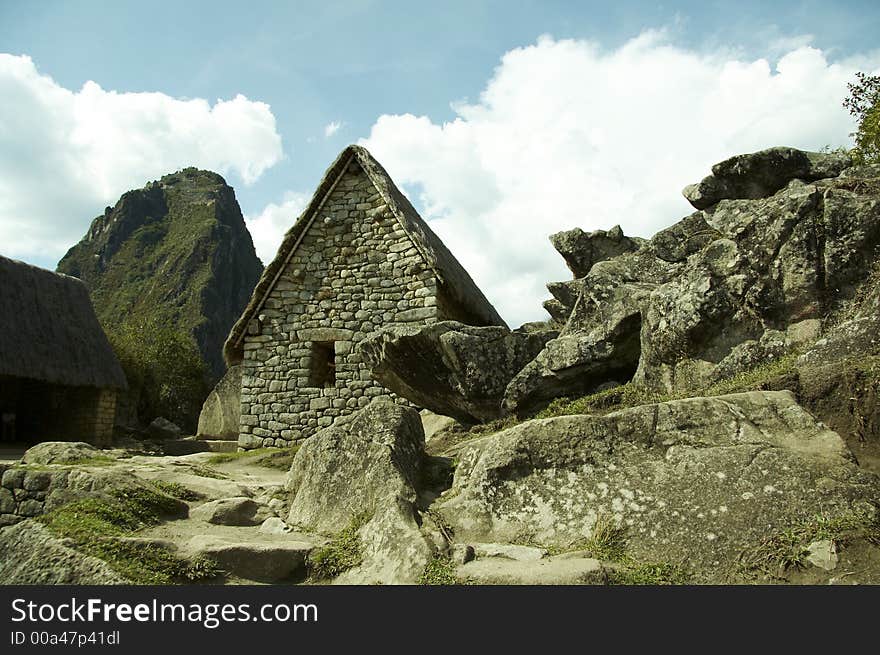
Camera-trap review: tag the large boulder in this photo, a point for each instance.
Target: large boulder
(678, 242)
(238, 510)
(761, 464)
(575, 364)
(583, 249)
(452, 369)
(31, 554)
(222, 408)
(162, 428)
(364, 470)
(599, 344)
(260, 561)
(59, 452)
(761, 174)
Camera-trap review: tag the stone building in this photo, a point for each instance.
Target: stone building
(58, 374)
(359, 258)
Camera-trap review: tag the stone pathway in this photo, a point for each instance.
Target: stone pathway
(266, 551)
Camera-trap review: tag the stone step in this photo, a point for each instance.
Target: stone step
(258, 561)
(183, 446)
(221, 445)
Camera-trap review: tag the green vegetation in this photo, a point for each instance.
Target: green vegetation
(343, 552)
(176, 490)
(165, 372)
(789, 548)
(771, 375)
(764, 377)
(97, 528)
(96, 460)
(278, 458)
(641, 573)
(439, 571)
(607, 541)
(148, 266)
(863, 104)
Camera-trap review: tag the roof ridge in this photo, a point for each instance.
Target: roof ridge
(435, 254)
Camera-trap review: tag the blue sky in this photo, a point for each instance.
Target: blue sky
(430, 88)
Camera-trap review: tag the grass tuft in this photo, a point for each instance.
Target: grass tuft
(344, 552)
(607, 541)
(789, 548)
(650, 573)
(439, 571)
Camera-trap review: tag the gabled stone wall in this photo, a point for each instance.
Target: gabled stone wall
(356, 270)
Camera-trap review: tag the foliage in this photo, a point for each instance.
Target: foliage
(863, 103)
(96, 528)
(439, 571)
(165, 371)
(343, 552)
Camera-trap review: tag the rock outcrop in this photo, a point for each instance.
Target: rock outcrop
(59, 452)
(30, 554)
(761, 174)
(760, 462)
(583, 249)
(28, 491)
(364, 471)
(222, 408)
(452, 369)
(783, 238)
(177, 249)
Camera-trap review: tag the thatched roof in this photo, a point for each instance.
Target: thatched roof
(449, 272)
(49, 331)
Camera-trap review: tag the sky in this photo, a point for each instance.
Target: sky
(503, 122)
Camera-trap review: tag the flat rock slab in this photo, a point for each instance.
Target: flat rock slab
(211, 488)
(259, 561)
(551, 571)
(510, 551)
(698, 480)
(450, 368)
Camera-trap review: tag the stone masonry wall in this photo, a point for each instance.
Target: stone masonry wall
(22, 493)
(355, 271)
(92, 414)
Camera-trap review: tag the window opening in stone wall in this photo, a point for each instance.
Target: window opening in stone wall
(322, 372)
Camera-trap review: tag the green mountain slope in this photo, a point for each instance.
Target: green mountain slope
(176, 251)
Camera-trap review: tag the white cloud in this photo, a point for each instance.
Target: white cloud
(268, 227)
(332, 128)
(568, 135)
(64, 154)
